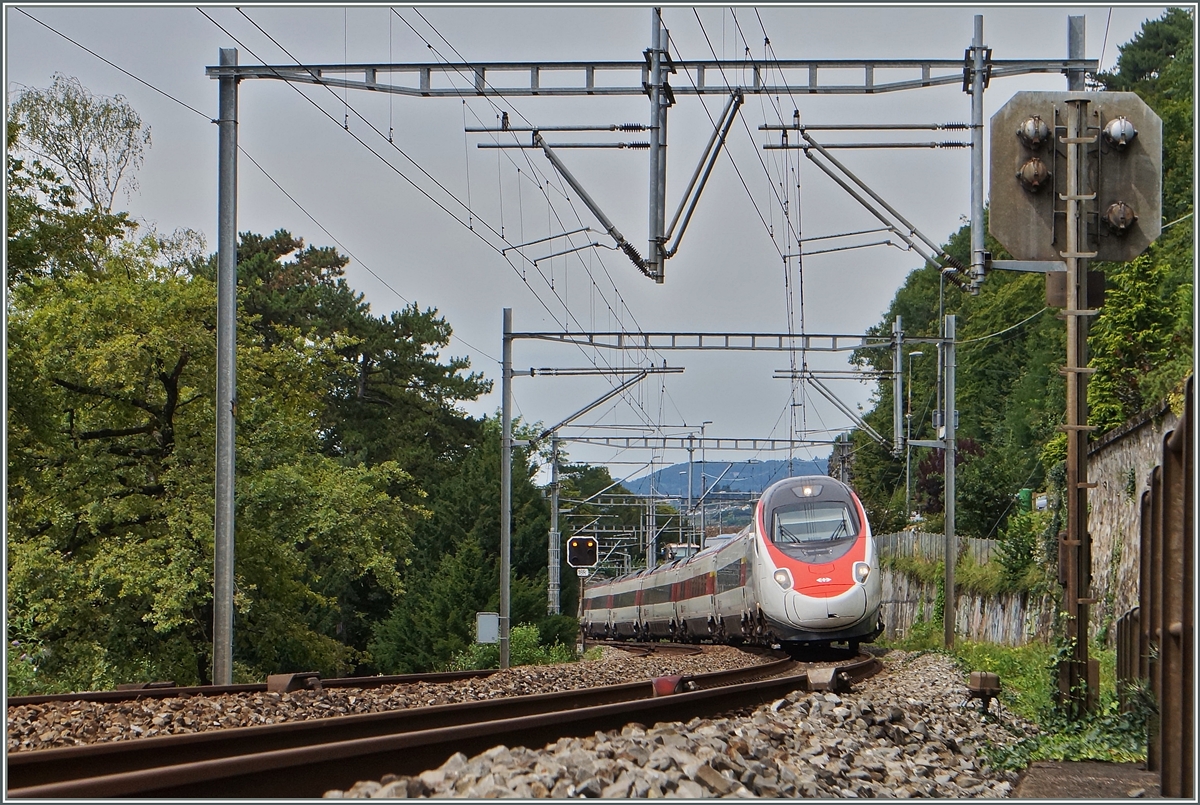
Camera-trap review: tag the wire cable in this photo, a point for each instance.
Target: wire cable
(1002, 332)
(114, 66)
(248, 156)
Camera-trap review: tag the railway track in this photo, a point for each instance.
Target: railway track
(160, 690)
(306, 758)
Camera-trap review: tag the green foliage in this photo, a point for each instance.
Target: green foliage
(1026, 674)
(1018, 547)
(454, 571)
(1009, 391)
(47, 235)
(1158, 64)
(987, 579)
(1029, 688)
(367, 508)
(110, 516)
(96, 141)
(558, 629)
(1142, 342)
(391, 397)
(925, 634)
(524, 648)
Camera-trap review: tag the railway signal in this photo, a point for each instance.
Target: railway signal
(582, 552)
(1076, 176)
(1121, 163)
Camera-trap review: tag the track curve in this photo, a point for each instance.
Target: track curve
(304, 759)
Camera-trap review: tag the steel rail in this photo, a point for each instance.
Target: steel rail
(46, 766)
(300, 759)
(160, 691)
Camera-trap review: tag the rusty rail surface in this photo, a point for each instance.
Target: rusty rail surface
(1155, 640)
(306, 758)
(155, 690)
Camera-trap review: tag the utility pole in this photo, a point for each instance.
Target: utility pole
(505, 485)
(951, 538)
(691, 514)
(907, 437)
(703, 490)
(980, 56)
(1076, 684)
(660, 100)
(553, 565)
(223, 538)
(897, 384)
(652, 526)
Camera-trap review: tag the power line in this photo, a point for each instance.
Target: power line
(532, 167)
(550, 204)
(391, 142)
(1002, 332)
(392, 167)
(248, 156)
(114, 66)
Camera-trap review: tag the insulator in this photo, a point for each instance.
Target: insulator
(954, 278)
(633, 127)
(954, 261)
(953, 144)
(632, 253)
(952, 126)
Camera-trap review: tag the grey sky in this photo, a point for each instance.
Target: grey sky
(728, 275)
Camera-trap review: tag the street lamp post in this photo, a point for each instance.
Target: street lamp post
(907, 436)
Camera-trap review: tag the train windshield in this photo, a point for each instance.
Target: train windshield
(812, 524)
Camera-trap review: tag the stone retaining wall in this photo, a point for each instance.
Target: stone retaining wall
(1010, 620)
(1120, 464)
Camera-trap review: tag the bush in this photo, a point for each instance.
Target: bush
(524, 648)
(1018, 545)
(562, 629)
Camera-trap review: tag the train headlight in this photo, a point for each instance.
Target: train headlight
(861, 571)
(783, 578)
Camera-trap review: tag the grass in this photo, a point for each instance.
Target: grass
(1029, 689)
(987, 579)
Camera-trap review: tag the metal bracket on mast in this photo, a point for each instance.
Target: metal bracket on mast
(703, 170)
(845, 409)
(630, 251)
(950, 267)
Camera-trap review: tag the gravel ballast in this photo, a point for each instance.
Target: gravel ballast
(905, 732)
(56, 724)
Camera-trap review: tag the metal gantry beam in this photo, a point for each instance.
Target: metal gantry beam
(693, 76)
(771, 342)
(684, 442)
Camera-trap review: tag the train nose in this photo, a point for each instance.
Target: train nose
(834, 612)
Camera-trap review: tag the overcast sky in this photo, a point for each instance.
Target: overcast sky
(728, 275)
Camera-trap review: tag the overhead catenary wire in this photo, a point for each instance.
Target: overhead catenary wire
(388, 164)
(542, 187)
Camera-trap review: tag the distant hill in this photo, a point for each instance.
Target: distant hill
(742, 476)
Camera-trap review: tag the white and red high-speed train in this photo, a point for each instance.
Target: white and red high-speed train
(803, 573)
